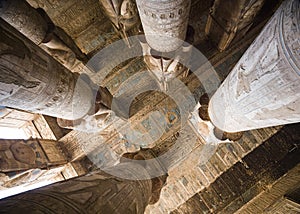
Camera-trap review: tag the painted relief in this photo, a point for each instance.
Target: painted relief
(16, 155)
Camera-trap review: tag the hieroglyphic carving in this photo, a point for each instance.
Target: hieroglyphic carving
(55, 93)
(28, 22)
(164, 23)
(53, 151)
(263, 88)
(95, 193)
(82, 20)
(165, 67)
(31, 177)
(16, 155)
(42, 127)
(15, 47)
(14, 118)
(50, 86)
(38, 27)
(229, 19)
(283, 205)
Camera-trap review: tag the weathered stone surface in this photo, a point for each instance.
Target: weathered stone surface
(283, 205)
(230, 19)
(38, 27)
(95, 193)
(212, 172)
(32, 80)
(57, 131)
(14, 118)
(83, 21)
(263, 88)
(259, 179)
(124, 17)
(164, 23)
(16, 155)
(146, 102)
(25, 19)
(195, 180)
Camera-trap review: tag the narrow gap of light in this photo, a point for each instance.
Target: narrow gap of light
(18, 133)
(12, 133)
(47, 177)
(19, 189)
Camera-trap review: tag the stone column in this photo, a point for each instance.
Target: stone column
(94, 193)
(164, 22)
(16, 155)
(263, 89)
(229, 19)
(32, 80)
(38, 27)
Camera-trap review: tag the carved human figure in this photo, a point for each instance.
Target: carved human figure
(123, 14)
(38, 27)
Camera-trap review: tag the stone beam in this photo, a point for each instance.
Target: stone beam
(256, 181)
(16, 155)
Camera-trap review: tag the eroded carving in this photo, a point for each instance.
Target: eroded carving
(38, 27)
(123, 14)
(16, 155)
(95, 193)
(263, 88)
(16, 48)
(230, 20)
(167, 66)
(49, 86)
(164, 23)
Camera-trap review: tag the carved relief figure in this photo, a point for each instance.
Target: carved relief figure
(15, 47)
(39, 28)
(122, 13)
(16, 156)
(23, 153)
(11, 77)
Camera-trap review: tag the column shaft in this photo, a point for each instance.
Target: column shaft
(230, 20)
(164, 22)
(95, 193)
(32, 80)
(263, 89)
(38, 27)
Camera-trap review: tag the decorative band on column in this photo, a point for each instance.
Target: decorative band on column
(164, 22)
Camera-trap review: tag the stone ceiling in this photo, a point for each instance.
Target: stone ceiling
(91, 30)
(84, 21)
